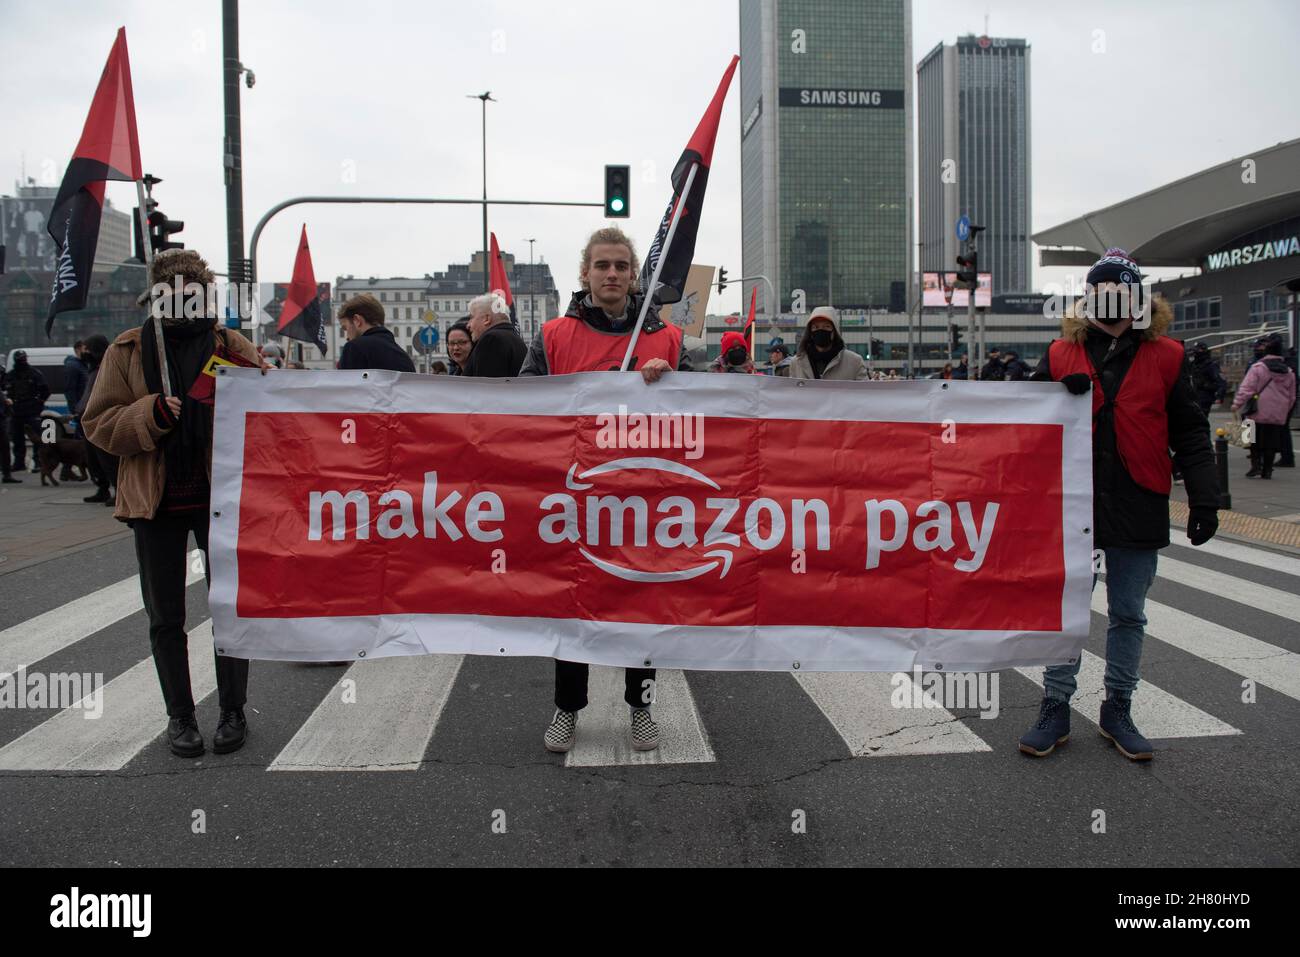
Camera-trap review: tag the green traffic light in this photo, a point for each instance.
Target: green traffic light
(616, 204)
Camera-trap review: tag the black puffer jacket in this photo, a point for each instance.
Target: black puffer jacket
(1126, 515)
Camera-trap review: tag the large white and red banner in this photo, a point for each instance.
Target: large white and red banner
(705, 521)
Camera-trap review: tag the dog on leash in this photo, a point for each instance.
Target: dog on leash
(66, 451)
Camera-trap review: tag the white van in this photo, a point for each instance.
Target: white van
(49, 361)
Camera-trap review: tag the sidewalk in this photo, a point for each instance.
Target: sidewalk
(41, 523)
(1266, 512)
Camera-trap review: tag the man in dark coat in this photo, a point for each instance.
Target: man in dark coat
(370, 345)
(1143, 408)
(499, 350)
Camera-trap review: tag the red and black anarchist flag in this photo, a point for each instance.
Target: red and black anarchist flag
(698, 152)
(300, 317)
(109, 149)
(499, 282)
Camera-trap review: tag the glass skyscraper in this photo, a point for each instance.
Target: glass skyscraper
(826, 151)
(973, 144)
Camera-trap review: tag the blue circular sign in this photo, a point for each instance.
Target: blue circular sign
(963, 228)
(427, 338)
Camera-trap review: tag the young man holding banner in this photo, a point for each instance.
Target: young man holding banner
(1143, 408)
(592, 336)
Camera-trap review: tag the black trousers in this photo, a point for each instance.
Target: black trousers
(5, 467)
(160, 546)
(1269, 441)
(101, 465)
(571, 686)
(18, 435)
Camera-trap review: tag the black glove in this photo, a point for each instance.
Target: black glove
(1202, 523)
(1077, 382)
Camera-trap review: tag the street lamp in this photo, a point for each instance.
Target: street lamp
(484, 97)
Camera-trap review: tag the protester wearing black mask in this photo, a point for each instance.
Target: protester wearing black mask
(734, 355)
(164, 442)
(1143, 407)
(27, 390)
(822, 354)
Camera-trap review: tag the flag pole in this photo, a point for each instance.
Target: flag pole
(663, 254)
(141, 209)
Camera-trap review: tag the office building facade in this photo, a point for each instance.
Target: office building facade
(973, 150)
(826, 152)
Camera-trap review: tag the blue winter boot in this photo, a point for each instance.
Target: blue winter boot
(1117, 725)
(1051, 729)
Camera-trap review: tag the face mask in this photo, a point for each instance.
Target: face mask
(736, 356)
(822, 338)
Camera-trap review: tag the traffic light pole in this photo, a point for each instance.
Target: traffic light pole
(142, 212)
(381, 200)
(232, 159)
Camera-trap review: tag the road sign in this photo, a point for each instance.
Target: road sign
(426, 340)
(963, 228)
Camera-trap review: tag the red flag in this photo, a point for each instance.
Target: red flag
(499, 282)
(698, 152)
(109, 148)
(300, 318)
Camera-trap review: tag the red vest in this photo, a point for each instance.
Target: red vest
(1141, 422)
(573, 346)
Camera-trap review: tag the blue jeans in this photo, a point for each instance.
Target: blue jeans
(1129, 574)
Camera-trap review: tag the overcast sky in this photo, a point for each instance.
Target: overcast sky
(370, 99)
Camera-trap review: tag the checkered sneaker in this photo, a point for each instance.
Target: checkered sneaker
(645, 733)
(559, 736)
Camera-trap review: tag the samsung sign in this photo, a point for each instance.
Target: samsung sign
(823, 96)
(1253, 253)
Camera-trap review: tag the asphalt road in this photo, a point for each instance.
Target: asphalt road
(1220, 792)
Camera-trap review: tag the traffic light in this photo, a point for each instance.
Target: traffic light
(967, 267)
(160, 229)
(954, 338)
(617, 191)
(722, 280)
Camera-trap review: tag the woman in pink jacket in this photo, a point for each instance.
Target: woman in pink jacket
(1273, 381)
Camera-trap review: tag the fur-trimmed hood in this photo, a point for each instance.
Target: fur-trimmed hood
(1074, 326)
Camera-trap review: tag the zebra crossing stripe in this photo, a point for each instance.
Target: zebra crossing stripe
(1259, 557)
(1156, 712)
(859, 707)
(1271, 666)
(133, 716)
(1263, 597)
(25, 644)
(379, 716)
(604, 726)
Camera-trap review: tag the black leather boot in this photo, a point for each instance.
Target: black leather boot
(183, 737)
(232, 730)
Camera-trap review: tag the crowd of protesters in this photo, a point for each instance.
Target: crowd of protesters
(150, 447)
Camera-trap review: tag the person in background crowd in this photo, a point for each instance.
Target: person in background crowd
(994, 370)
(370, 345)
(1207, 380)
(272, 354)
(75, 371)
(962, 371)
(733, 355)
(893, 376)
(822, 353)
(499, 350)
(946, 371)
(459, 345)
(1016, 371)
(1143, 406)
(164, 443)
(6, 413)
(1287, 458)
(438, 368)
(28, 391)
(1272, 380)
(778, 357)
(592, 336)
(101, 465)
